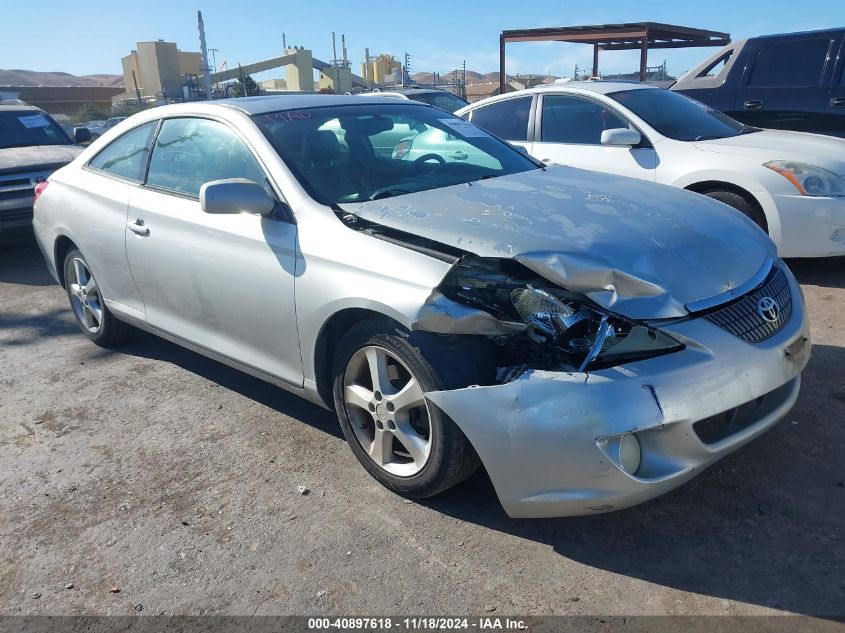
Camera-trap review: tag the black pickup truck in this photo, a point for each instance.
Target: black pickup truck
(32, 146)
(794, 81)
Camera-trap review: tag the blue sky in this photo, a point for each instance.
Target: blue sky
(91, 37)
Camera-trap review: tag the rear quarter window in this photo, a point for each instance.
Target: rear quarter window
(126, 156)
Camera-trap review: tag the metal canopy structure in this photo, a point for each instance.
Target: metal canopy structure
(615, 37)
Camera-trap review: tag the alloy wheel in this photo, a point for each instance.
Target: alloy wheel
(85, 295)
(388, 411)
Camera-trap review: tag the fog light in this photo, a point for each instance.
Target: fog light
(629, 453)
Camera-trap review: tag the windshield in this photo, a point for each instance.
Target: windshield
(678, 117)
(443, 100)
(26, 128)
(365, 152)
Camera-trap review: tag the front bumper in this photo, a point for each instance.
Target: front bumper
(810, 226)
(15, 217)
(546, 438)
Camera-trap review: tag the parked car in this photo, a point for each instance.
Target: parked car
(794, 81)
(790, 183)
(32, 146)
(593, 340)
(432, 96)
(98, 128)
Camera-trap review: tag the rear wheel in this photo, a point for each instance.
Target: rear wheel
(741, 204)
(93, 317)
(404, 442)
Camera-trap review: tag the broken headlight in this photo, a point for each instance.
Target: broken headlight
(584, 334)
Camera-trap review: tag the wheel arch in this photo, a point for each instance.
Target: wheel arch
(327, 340)
(61, 248)
(705, 186)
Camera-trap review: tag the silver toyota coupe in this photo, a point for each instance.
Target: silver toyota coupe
(593, 341)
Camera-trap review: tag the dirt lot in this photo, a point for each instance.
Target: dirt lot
(174, 478)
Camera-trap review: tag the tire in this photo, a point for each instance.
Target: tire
(90, 311)
(442, 456)
(741, 204)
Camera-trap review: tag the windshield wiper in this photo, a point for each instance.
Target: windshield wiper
(750, 130)
(708, 137)
(387, 193)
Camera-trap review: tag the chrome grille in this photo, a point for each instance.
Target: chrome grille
(741, 317)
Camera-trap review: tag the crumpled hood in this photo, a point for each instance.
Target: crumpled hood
(37, 157)
(640, 249)
(823, 151)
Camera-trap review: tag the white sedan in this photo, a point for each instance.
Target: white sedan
(792, 184)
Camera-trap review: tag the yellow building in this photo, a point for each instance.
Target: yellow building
(381, 67)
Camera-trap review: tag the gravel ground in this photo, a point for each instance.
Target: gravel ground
(174, 479)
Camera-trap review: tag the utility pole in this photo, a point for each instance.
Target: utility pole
(334, 62)
(137, 92)
(406, 70)
(367, 68)
(206, 70)
(213, 52)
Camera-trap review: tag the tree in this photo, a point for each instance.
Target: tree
(252, 88)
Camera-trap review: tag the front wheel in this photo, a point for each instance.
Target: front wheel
(93, 317)
(404, 442)
(741, 204)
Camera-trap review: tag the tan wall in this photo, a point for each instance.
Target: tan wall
(300, 74)
(190, 63)
(344, 80)
(130, 63)
(273, 84)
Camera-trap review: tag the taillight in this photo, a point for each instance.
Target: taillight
(39, 189)
(401, 150)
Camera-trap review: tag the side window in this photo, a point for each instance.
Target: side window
(790, 64)
(507, 119)
(715, 69)
(126, 156)
(568, 119)
(191, 152)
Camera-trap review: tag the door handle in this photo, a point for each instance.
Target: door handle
(838, 102)
(459, 155)
(137, 227)
(754, 104)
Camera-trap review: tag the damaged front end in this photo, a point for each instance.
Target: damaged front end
(532, 323)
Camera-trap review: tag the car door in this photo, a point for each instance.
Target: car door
(569, 132)
(835, 120)
(221, 282)
(787, 85)
(108, 181)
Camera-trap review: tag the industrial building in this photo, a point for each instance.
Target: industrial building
(159, 70)
(382, 69)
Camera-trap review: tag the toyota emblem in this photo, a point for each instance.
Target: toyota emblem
(768, 309)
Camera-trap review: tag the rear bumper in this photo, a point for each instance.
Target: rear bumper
(549, 440)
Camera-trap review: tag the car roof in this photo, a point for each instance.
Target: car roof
(275, 103)
(600, 87)
(18, 107)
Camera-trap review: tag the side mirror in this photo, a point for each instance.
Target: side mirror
(81, 135)
(235, 195)
(621, 136)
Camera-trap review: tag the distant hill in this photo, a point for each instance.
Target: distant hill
(17, 77)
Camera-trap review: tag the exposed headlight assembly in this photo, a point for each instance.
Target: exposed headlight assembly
(809, 180)
(587, 334)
